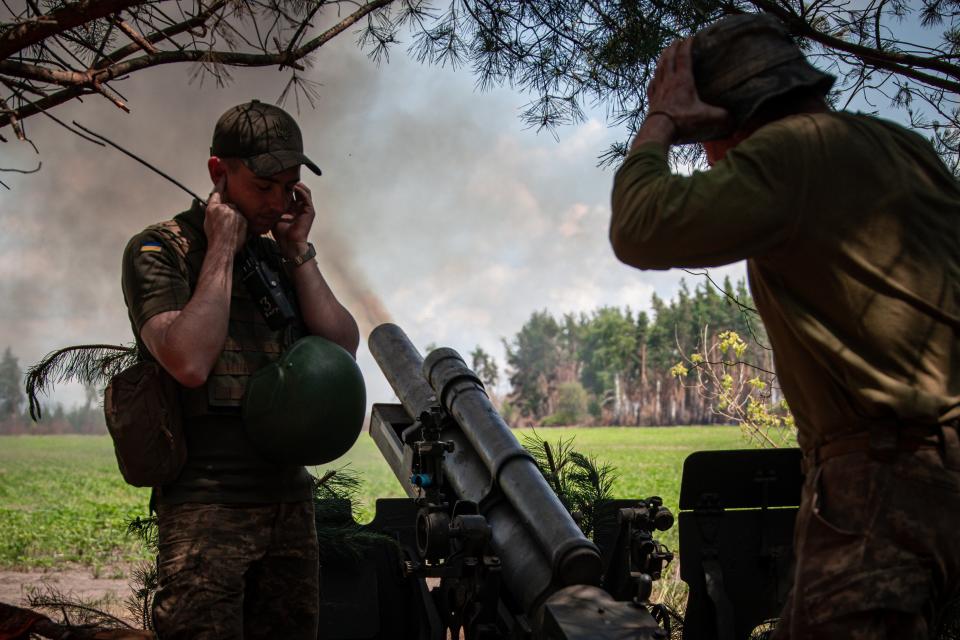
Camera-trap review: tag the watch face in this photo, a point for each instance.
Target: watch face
(310, 253)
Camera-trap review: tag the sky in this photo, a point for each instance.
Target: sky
(434, 201)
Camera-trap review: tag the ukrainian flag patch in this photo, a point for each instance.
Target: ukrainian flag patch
(150, 246)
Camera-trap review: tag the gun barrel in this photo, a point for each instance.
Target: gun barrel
(526, 567)
(574, 558)
(401, 363)
(526, 570)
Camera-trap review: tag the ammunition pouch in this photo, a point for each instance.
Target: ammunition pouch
(142, 411)
(250, 346)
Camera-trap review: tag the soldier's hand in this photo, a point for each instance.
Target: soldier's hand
(673, 92)
(292, 229)
(223, 221)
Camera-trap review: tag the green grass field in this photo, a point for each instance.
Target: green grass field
(62, 499)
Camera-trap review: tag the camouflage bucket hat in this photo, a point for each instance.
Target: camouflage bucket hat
(264, 136)
(745, 60)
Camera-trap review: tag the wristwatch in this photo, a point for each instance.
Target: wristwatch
(311, 252)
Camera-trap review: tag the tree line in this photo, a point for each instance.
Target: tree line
(611, 366)
(15, 419)
(614, 366)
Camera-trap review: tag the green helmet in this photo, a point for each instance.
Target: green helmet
(307, 408)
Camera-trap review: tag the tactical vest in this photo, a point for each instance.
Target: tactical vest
(251, 344)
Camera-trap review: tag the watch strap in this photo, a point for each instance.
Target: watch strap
(310, 253)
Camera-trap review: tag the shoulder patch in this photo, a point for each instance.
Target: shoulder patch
(171, 230)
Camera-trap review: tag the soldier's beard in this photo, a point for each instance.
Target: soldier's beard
(261, 224)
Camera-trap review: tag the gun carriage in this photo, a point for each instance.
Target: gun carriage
(486, 550)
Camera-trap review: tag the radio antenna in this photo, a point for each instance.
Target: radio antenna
(140, 160)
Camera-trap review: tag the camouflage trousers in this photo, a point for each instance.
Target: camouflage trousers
(237, 571)
(877, 545)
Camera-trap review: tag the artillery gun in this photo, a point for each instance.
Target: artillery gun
(485, 550)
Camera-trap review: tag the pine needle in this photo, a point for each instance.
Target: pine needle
(338, 484)
(335, 500)
(590, 485)
(145, 529)
(581, 483)
(144, 583)
(92, 364)
(73, 611)
(347, 544)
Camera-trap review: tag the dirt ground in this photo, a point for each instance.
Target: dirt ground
(79, 583)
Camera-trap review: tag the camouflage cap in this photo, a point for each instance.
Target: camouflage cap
(745, 60)
(264, 136)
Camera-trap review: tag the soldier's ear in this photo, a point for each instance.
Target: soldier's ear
(217, 168)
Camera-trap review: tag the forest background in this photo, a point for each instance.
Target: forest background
(608, 366)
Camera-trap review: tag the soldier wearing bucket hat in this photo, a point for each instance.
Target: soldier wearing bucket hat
(849, 228)
(237, 542)
(746, 61)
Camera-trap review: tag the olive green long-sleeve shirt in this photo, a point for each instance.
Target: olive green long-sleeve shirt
(851, 230)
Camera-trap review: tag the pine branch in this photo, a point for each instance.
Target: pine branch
(87, 613)
(581, 483)
(592, 485)
(40, 626)
(135, 36)
(338, 484)
(340, 539)
(900, 63)
(35, 30)
(144, 584)
(92, 364)
(146, 530)
(197, 21)
(78, 83)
